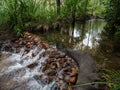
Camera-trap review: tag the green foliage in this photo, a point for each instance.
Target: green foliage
(18, 13)
(117, 39)
(69, 7)
(97, 7)
(112, 80)
(47, 12)
(113, 16)
(3, 15)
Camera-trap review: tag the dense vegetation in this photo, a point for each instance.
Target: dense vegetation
(20, 15)
(112, 17)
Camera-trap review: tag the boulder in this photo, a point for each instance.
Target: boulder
(87, 70)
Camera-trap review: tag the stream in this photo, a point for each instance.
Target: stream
(88, 37)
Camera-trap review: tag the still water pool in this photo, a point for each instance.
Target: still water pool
(88, 37)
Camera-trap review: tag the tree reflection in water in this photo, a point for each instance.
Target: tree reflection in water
(87, 37)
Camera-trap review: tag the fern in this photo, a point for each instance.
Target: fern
(112, 80)
(114, 76)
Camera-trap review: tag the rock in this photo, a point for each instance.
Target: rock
(32, 65)
(58, 64)
(72, 80)
(17, 50)
(61, 77)
(50, 72)
(40, 74)
(46, 79)
(67, 78)
(45, 46)
(74, 71)
(86, 67)
(62, 84)
(53, 65)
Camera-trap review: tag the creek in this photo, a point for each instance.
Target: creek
(88, 37)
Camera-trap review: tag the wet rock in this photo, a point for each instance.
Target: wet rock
(44, 45)
(86, 68)
(50, 72)
(60, 77)
(58, 64)
(62, 67)
(4, 56)
(46, 79)
(30, 84)
(38, 79)
(10, 75)
(40, 74)
(63, 85)
(72, 80)
(17, 50)
(32, 65)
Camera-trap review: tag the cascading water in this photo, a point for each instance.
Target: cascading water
(18, 72)
(28, 63)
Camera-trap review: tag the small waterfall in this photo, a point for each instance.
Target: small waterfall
(28, 63)
(20, 74)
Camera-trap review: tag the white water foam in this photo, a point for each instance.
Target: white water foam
(29, 73)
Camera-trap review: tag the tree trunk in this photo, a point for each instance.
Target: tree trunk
(73, 8)
(58, 6)
(85, 9)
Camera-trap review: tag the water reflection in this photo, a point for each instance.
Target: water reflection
(78, 37)
(87, 37)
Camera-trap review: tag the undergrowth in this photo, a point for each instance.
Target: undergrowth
(112, 80)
